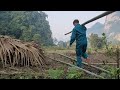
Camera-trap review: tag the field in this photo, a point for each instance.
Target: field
(99, 56)
(57, 70)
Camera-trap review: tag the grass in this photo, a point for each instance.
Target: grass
(62, 51)
(21, 76)
(59, 73)
(71, 73)
(55, 74)
(113, 70)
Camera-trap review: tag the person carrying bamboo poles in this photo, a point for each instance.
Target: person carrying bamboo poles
(79, 34)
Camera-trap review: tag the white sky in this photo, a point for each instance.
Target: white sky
(61, 21)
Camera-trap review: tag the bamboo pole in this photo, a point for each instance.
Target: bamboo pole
(86, 71)
(86, 64)
(104, 64)
(95, 18)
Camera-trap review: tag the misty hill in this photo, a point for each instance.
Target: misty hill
(112, 26)
(97, 28)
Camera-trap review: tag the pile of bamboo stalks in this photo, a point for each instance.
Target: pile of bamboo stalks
(15, 52)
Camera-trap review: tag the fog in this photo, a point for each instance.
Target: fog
(61, 21)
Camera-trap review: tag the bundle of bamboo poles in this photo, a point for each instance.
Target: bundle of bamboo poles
(15, 52)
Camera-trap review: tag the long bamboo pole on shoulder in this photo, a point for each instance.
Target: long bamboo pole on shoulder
(95, 18)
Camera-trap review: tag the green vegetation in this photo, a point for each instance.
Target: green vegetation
(72, 73)
(113, 70)
(32, 26)
(26, 25)
(97, 42)
(55, 74)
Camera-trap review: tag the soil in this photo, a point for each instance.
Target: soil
(37, 73)
(96, 58)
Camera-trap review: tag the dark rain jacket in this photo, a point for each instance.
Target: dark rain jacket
(79, 34)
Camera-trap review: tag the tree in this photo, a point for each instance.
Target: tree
(26, 35)
(105, 42)
(95, 41)
(37, 38)
(62, 44)
(25, 25)
(55, 41)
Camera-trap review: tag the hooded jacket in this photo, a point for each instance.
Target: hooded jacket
(79, 34)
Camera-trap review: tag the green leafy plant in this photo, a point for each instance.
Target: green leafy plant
(55, 74)
(74, 73)
(113, 70)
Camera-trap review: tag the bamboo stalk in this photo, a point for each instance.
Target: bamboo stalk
(86, 71)
(103, 63)
(85, 63)
(95, 18)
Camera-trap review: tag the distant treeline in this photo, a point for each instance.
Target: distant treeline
(26, 25)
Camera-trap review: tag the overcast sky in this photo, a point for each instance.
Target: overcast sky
(61, 21)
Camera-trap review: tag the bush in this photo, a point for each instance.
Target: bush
(114, 72)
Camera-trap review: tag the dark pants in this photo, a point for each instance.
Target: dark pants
(81, 52)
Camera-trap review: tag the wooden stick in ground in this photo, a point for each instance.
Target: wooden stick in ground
(117, 53)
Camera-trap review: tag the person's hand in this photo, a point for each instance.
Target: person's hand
(70, 45)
